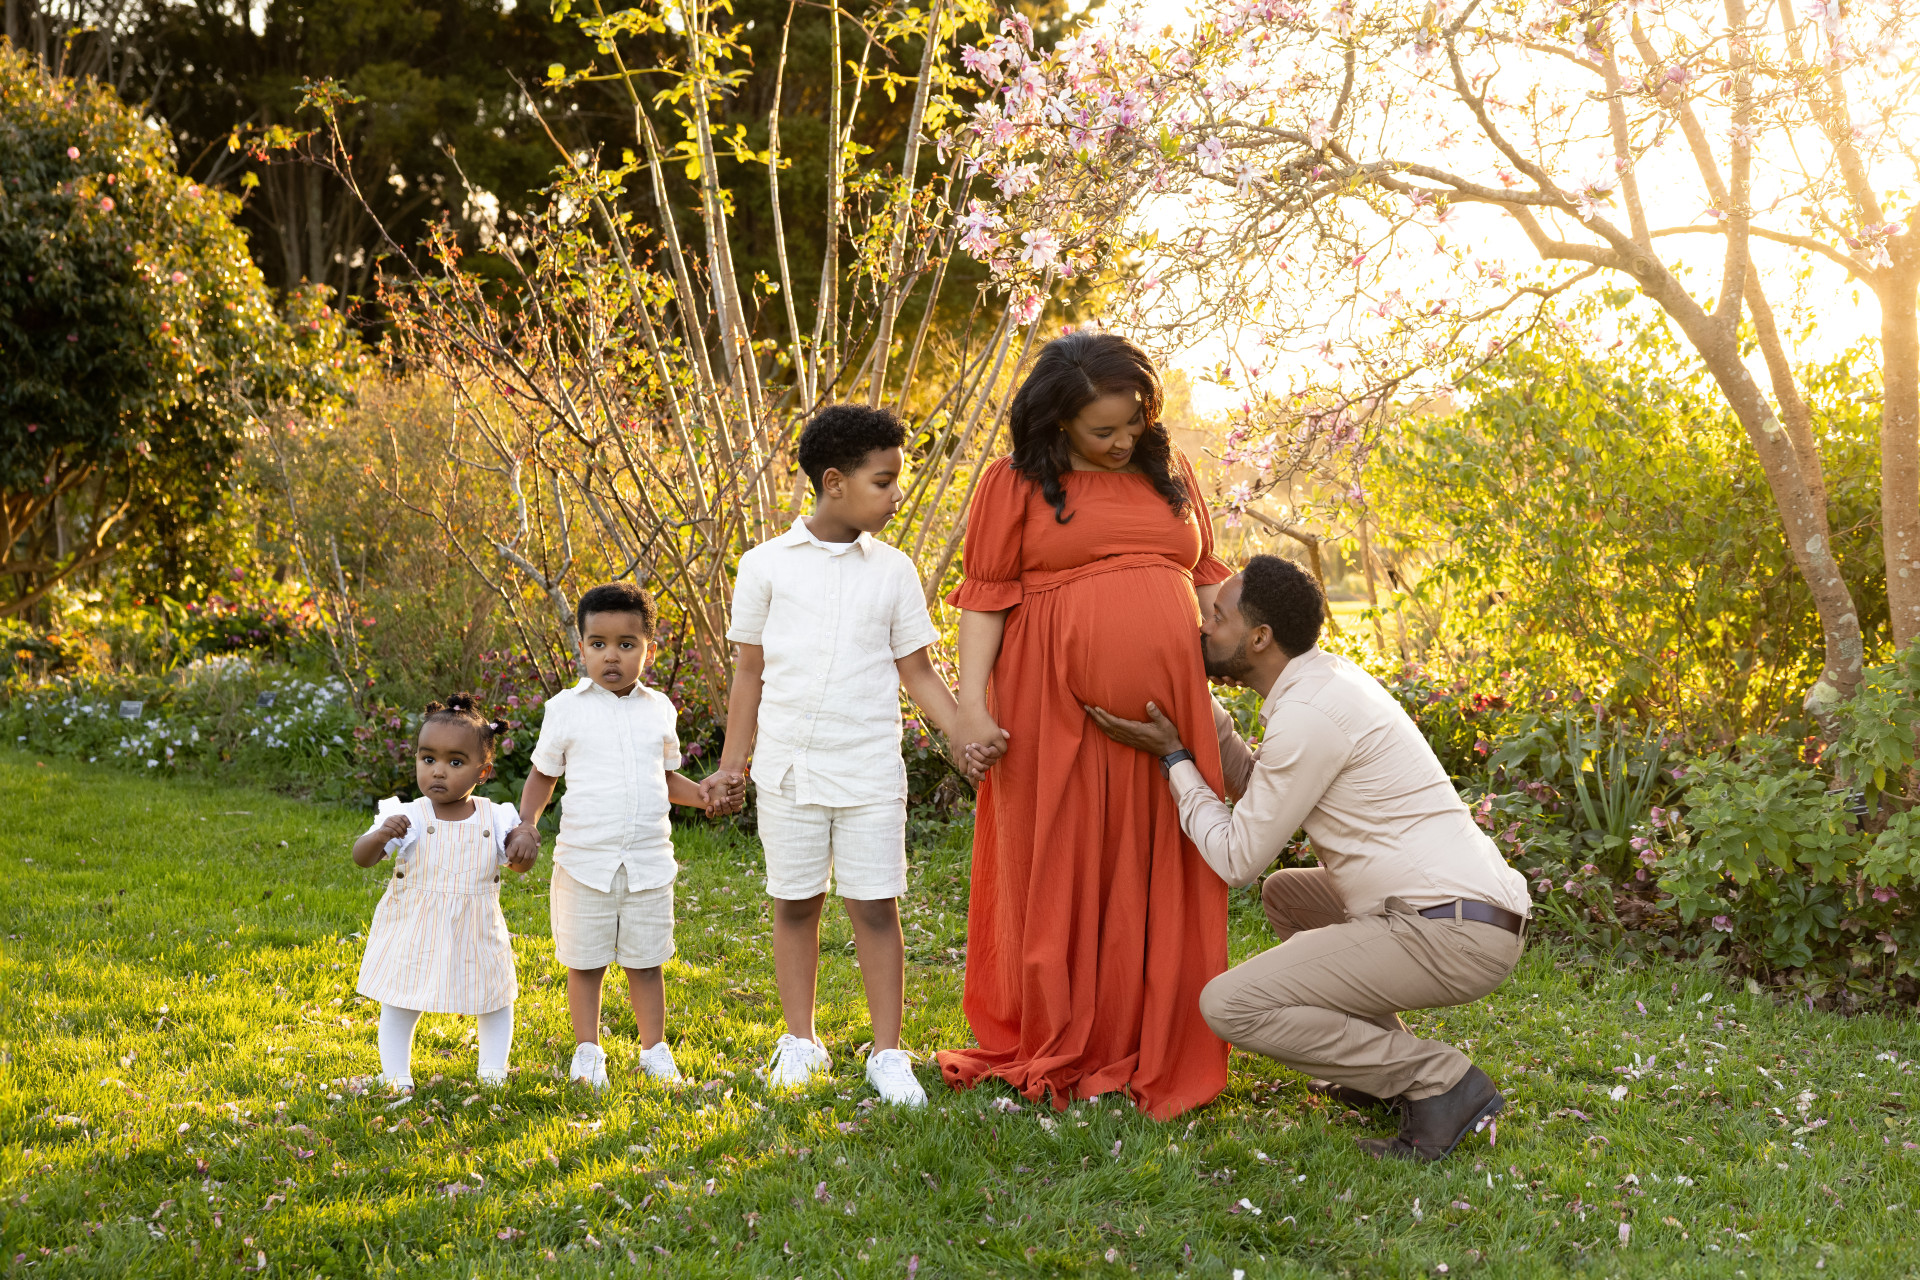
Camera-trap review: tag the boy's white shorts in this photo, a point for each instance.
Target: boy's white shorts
(861, 849)
(594, 928)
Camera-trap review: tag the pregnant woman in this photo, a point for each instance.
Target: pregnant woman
(1094, 923)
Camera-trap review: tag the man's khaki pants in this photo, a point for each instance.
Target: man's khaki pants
(1327, 1000)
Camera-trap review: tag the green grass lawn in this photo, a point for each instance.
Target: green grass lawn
(181, 1037)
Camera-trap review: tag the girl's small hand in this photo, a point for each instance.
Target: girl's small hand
(395, 827)
(523, 847)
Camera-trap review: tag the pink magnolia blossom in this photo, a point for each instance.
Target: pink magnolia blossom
(1043, 248)
(1211, 155)
(1025, 309)
(73, 153)
(982, 63)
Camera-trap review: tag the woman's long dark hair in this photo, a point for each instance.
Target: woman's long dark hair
(1071, 373)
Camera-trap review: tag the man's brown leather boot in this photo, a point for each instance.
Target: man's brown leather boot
(1432, 1127)
(1347, 1096)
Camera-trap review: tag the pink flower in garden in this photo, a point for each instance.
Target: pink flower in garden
(73, 153)
(982, 63)
(1043, 248)
(1571, 886)
(1589, 869)
(178, 277)
(506, 746)
(1723, 924)
(513, 699)
(1545, 886)
(106, 204)
(1015, 180)
(1212, 155)
(1026, 308)
(1884, 895)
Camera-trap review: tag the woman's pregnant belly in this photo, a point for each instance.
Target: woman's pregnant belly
(1117, 639)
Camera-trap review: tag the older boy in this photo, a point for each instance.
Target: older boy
(615, 742)
(830, 624)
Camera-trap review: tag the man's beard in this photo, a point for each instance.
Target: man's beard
(1232, 667)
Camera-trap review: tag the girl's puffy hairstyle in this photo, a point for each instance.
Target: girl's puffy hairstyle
(464, 709)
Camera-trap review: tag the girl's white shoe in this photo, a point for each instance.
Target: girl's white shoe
(589, 1066)
(493, 1077)
(890, 1072)
(399, 1084)
(658, 1062)
(796, 1061)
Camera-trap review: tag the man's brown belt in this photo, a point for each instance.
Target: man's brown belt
(1484, 912)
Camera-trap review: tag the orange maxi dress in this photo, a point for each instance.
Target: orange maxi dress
(1094, 922)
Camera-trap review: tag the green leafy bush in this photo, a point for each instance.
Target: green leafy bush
(1598, 522)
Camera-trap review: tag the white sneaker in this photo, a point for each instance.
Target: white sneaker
(796, 1061)
(589, 1066)
(890, 1072)
(493, 1077)
(398, 1084)
(658, 1063)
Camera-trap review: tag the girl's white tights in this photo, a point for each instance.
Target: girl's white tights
(396, 1043)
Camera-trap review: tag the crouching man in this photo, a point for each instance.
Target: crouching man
(1411, 906)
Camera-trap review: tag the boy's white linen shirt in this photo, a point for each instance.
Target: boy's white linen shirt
(833, 620)
(615, 753)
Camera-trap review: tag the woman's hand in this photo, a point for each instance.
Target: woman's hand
(1155, 734)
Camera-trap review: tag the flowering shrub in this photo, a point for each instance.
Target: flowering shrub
(273, 724)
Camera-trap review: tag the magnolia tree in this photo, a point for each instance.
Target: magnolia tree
(628, 398)
(1311, 183)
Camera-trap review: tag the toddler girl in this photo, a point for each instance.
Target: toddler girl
(439, 943)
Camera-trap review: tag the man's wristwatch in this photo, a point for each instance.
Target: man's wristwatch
(1173, 758)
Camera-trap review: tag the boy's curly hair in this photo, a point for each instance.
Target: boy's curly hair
(841, 436)
(464, 709)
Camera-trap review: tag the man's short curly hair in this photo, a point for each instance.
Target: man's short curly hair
(842, 435)
(617, 597)
(1278, 593)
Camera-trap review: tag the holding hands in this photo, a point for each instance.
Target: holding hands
(724, 790)
(523, 847)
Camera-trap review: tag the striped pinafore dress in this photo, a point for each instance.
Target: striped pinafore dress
(438, 942)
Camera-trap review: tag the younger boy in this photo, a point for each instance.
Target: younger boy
(830, 623)
(614, 741)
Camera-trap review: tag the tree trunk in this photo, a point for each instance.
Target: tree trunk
(1900, 443)
(1803, 520)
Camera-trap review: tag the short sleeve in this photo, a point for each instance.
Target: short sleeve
(387, 808)
(550, 752)
(670, 757)
(912, 626)
(752, 598)
(1209, 569)
(991, 559)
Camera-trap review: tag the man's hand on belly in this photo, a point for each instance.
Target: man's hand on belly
(1156, 734)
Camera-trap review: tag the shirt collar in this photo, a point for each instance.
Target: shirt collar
(1298, 667)
(589, 685)
(799, 535)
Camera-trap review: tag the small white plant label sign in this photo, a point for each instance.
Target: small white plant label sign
(265, 699)
(132, 710)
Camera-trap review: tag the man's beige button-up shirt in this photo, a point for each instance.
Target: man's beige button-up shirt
(1343, 759)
